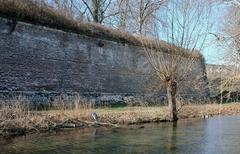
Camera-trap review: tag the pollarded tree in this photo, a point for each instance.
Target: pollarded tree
(186, 27)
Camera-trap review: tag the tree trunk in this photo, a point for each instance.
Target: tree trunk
(171, 95)
(96, 8)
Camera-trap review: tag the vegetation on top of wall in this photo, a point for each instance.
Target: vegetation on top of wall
(32, 12)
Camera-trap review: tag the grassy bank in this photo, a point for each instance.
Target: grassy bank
(17, 119)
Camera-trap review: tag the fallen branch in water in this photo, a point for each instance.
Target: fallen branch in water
(102, 124)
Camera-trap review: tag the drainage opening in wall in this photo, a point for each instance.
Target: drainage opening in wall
(100, 43)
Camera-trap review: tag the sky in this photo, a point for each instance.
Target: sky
(197, 27)
(214, 53)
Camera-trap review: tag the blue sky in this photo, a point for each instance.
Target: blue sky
(214, 53)
(197, 26)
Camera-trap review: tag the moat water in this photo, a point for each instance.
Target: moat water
(211, 136)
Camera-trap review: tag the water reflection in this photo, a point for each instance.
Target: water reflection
(216, 135)
(172, 137)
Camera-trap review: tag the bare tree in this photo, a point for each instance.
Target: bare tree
(231, 44)
(134, 16)
(129, 15)
(124, 12)
(70, 8)
(64, 6)
(143, 11)
(186, 27)
(232, 32)
(98, 9)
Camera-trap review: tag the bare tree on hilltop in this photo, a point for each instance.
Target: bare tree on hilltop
(144, 12)
(97, 9)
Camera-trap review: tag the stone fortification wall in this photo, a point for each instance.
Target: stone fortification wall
(43, 63)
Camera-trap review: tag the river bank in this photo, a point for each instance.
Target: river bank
(21, 122)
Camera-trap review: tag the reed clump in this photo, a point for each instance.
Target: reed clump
(19, 113)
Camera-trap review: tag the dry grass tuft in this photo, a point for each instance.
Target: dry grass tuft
(19, 113)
